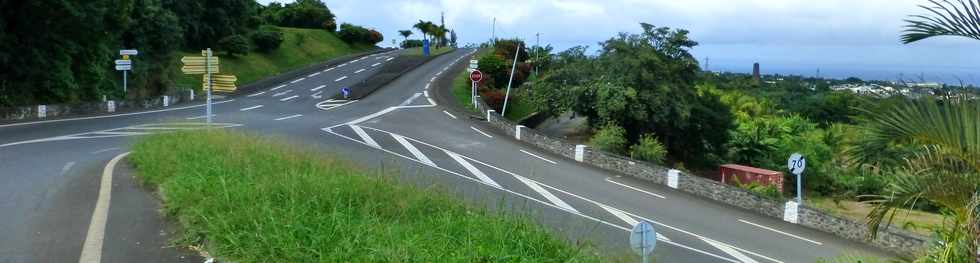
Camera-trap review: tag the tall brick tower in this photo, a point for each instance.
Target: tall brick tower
(756, 76)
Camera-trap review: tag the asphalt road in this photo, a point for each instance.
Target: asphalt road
(50, 173)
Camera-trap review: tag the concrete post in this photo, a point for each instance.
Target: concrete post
(517, 131)
(42, 111)
(672, 178)
(166, 101)
(490, 115)
(110, 106)
(191, 95)
(580, 153)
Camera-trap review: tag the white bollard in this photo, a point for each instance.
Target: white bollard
(791, 212)
(672, 176)
(517, 132)
(192, 95)
(42, 111)
(110, 106)
(166, 101)
(580, 153)
(489, 115)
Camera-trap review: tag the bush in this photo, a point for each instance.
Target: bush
(411, 43)
(234, 45)
(494, 98)
(357, 34)
(330, 25)
(494, 71)
(610, 138)
(649, 149)
(267, 40)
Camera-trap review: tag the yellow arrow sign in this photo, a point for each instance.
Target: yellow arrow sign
(223, 88)
(198, 60)
(221, 78)
(198, 69)
(204, 52)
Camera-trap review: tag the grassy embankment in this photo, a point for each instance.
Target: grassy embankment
(912, 220)
(256, 200)
(417, 51)
(300, 47)
(518, 107)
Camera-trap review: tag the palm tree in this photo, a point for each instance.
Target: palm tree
(405, 33)
(438, 34)
(947, 19)
(422, 27)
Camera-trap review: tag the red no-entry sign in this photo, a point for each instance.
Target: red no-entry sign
(476, 75)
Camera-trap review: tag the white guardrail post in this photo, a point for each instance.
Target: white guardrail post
(489, 114)
(580, 153)
(110, 106)
(517, 131)
(42, 111)
(672, 177)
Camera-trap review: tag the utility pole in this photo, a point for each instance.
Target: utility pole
(509, 82)
(707, 62)
(537, 51)
(493, 31)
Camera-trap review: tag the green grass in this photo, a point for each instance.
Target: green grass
(300, 48)
(417, 51)
(256, 200)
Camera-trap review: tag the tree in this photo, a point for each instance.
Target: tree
(203, 27)
(234, 45)
(438, 33)
(307, 14)
(267, 40)
(649, 149)
(405, 33)
(946, 19)
(610, 138)
(452, 38)
(426, 27)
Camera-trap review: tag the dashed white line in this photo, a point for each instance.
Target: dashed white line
(781, 232)
(376, 64)
(326, 70)
(313, 75)
(289, 98)
(290, 117)
(450, 114)
(432, 79)
(364, 136)
(318, 88)
(634, 188)
(282, 93)
(67, 167)
(277, 87)
(547, 195)
(415, 151)
(469, 167)
(297, 80)
(358, 71)
(341, 78)
(256, 94)
(342, 65)
(539, 157)
(729, 250)
(389, 59)
(481, 132)
(251, 108)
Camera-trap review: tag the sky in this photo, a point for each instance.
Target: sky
(841, 38)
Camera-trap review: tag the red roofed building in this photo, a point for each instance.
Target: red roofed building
(732, 173)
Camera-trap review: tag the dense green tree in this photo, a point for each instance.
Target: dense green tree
(155, 32)
(206, 22)
(306, 14)
(267, 39)
(357, 34)
(234, 45)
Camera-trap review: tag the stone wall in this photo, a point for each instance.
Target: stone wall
(891, 239)
(40, 112)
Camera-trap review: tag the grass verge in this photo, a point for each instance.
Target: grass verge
(417, 51)
(914, 221)
(255, 200)
(300, 48)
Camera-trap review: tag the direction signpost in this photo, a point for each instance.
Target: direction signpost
(796, 165)
(643, 239)
(207, 65)
(475, 77)
(125, 64)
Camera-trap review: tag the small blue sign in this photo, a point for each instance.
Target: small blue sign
(425, 47)
(345, 92)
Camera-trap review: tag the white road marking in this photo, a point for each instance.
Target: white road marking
(200, 117)
(111, 116)
(67, 167)
(409, 100)
(313, 75)
(290, 117)
(317, 95)
(432, 79)
(251, 108)
(330, 104)
(297, 80)
(327, 70)
(277, 87)
(358, 71)
(117, 132)
(92, 247)
(627, 218)
(364, 136)
(450, 114)
(729, 250)
(318, 88)
(634, 188)
(539, 157)
(427, 86)
(472, 169)
(342, 65)
(547, 195)
(372, 116)
(781, 232)
(426, 93)
(341, 78)
(481, 132)
(415, 151)
(389, 59)
(105, 150)
(376, 64)
(124, 133)
(289, 98)
(256, 94)
(545, 203)
(282, 93)
(432, 102)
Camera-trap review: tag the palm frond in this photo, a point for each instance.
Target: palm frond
(945, 19)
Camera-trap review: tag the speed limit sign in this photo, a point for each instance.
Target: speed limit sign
(796, 164)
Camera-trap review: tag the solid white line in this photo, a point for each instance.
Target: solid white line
(634, 188)
(481, 132)
(426, 93)
(409, 100)
(118, 133)
(282, 93)
(251, 108)
(359, 71)
(256, 94)
(290, 117)
(539, 157)
(433, 79)
(450, 114)
(289, 98)
(105, 150)
(341, 78)
(469, 167)
(372, 116)
(781, 232)
(415, 151)
(547, 195)
(110, 116)
(318, 88)
(67, 167)
(277, 87)
(731, 251)
(376, 64)
(364, 136)
(92, 247)
(427, 85)
(200, 117)
(296, 80)
(432, 102)
(313, 75)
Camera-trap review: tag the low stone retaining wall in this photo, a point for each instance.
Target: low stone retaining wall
(39, 112)
(891, 239)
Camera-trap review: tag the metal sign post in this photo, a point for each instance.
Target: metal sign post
(796, 165)
(207, 65)
(475, 77)
(643, 239)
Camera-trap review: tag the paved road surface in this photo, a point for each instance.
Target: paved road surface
(51, 172)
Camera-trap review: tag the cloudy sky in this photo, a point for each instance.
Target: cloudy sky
(840, 37)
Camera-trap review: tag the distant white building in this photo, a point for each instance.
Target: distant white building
(871, 89)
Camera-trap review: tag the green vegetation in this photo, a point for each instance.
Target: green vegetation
(300, 47)
(649, 149)
(462, 88)
(610, 138)
(417, 51)
(255, 200)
